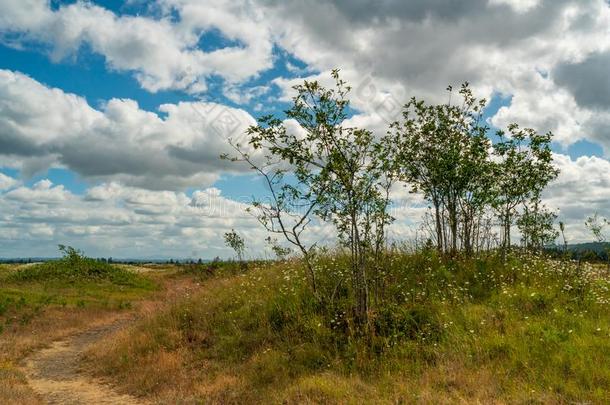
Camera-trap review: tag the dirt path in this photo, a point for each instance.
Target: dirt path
(54, 373)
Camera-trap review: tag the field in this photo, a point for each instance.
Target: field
(531, 330)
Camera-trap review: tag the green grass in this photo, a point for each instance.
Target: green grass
(530, 330)
(26, 291)
(42, 303)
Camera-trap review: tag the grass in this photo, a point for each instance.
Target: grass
(25, 291)
(44, 302)
(530, 330)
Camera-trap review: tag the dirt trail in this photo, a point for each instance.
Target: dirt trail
(55, 374)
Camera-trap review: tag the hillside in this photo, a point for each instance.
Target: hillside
(467, 331)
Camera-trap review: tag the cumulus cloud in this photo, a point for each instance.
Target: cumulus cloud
(173, 149)
(403, 48)
(587, 80)
(527, 49)
(549, 57)
(6, 182)
(124, 221)
(161, 52)
(582, 188)
(114, 219)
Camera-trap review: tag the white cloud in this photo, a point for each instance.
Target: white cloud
(547, 55)
(509, 47)
(120, 141)
(582, 188)
(163, 52)
(112, 219)
(400, 48)
(520, 6)
(7, 182)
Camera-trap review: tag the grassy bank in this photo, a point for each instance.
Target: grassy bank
(530, 330)
(40, 303)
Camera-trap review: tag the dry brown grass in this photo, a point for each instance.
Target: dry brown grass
(18, 339)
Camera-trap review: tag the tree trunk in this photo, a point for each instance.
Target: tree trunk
(439, 228)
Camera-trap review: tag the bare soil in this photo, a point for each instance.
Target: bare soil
(54, 373)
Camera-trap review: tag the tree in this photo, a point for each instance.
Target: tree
(536, 224)
(280, 251)
(71, 254)
(562, 230)
(235, 242)
(523, 169)
(596, 225)
(444, 155)
(328, 173)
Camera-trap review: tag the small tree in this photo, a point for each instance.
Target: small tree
(596, 225)
(325, 172)
(71, 254)
(444, 155)
(280, 251)
(235, 242)
(562, 230)
(536, 226)
(524, 168)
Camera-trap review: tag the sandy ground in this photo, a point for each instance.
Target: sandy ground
(53, 373)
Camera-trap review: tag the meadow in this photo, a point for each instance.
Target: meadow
(468, 330)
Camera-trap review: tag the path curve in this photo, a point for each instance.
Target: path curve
(54, 373)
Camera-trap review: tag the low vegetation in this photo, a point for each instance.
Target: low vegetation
(470, 329)
(73, 281)
(43, 302)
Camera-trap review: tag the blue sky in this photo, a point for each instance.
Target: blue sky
(85, 64)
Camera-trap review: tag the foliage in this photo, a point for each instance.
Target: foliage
(524, 170)
(281, 252)
(235, 242)
(536, 224)
(596, 225)
(444, 155)
(337, 174)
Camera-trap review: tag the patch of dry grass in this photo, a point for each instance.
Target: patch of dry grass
(36, 313)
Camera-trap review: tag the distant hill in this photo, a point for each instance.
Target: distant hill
(597, 247)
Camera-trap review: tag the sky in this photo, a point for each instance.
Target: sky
(113, 114)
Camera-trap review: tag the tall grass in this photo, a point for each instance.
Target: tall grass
(529, 329)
